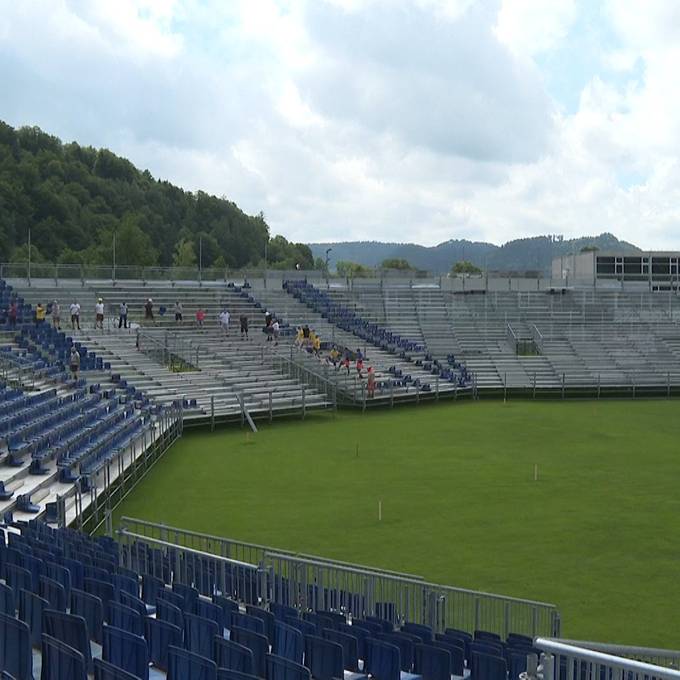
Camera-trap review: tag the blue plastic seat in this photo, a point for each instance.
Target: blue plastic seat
(171, 597)
(125, 618)
(127, 651)
(103, 670)
(185, 665)
(61, 661)
(165, 611)
(382, 660)
(31, 607)
(228, 606)
(279, 668)
(199, 634)
(69, 629)
(433, 663)
(350, 648)
(266, 617)
(101, 589)
(126, 584)
(232, 655)
(488, 667)
(91, 609)
(305, 627)
(54, 593)
(229, 674)
(132, 602)
(160, 635)
(18, 578)
(281, 611)
(323, 658)
(212, 611)
(189, 596)
(151, 585)
(15, 648)
(7, 600)
(256, 642)
(288, 642)
(456, 648)
(248, 622)
(486, 635)
(406, 644)
(60, 574)
(419, 630)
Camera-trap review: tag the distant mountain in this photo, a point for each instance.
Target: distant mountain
(526, 254)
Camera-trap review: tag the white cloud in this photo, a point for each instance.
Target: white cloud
(418, 120)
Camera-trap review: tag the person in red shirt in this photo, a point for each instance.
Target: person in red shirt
(200, 316)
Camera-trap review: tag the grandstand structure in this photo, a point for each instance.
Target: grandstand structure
(165, 602)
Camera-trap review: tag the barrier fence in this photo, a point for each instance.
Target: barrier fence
(308, 582)
(561, 661)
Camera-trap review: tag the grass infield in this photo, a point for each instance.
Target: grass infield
(597, 534)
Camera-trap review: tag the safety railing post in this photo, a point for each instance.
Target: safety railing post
(212, 411)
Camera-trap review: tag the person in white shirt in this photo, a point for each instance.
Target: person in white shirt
(75, 315)
(224, 321)
(178, 311)
(99, 314)
(275, 331)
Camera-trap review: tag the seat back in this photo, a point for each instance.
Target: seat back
(386, 625)
(151, 585)
(488, 667)
(18, 578)
(232, 655)
(15, 648)
(127, 651)
(101, 589)
(183, 664)
(103, 670)
(323, 658)
(160, 635)
(406, 644)
(266, 617)
(199, 634)
(125, 584)
(382, 660)
(61, 575)
(165, 611)
(60, 661)
(229, 674)
(31, 607)
(7, 600)
(482, 647)
(125, 618)
(288, 642)
(69, 629)
(281, 611)
(133, 602)
(457, 652)
(189, 595)
(350, 648)
(228, 606)
(54, 593)
(419, 630)
(433, 663)
(305, 627)
(248, 622)
(256, 642)
(91, 609)
(172, 597)
(212, 611)
(487, 635)
(279, 668)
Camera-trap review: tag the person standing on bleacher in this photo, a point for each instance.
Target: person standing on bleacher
(99, 314)
(56, 315)
(178, 311)
(122, 315)
(74, 363)
(148, 310)
(39, 314)
(75, 315)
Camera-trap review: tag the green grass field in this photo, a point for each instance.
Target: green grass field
(597, 534)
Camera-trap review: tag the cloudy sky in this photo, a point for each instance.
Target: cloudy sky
(400, 120)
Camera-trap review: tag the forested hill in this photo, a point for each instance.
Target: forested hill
(74, 198)
(521, 255)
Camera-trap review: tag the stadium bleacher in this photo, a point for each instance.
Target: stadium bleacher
(78, 604)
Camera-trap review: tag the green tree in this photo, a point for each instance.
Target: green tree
(396, 263)
(465, 267)
(185, 255)
(589, 249)
(352, 269)
(133, 246)
(320, 265)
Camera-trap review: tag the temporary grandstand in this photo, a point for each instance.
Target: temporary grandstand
(163, 602)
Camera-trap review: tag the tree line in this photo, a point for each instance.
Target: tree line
(76, 200)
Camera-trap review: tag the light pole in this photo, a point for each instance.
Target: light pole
(328, 251)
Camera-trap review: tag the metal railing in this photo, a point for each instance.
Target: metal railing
(170, 349)
(668, 658)
(561, 661)
(306, 582)
(208, 572)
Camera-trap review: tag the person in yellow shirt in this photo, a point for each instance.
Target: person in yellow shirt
(40, 312)
(299, 336)
(316, 345)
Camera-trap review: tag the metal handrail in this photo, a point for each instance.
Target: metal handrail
(577, 657)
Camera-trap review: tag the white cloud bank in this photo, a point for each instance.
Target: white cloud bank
(417, 120)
